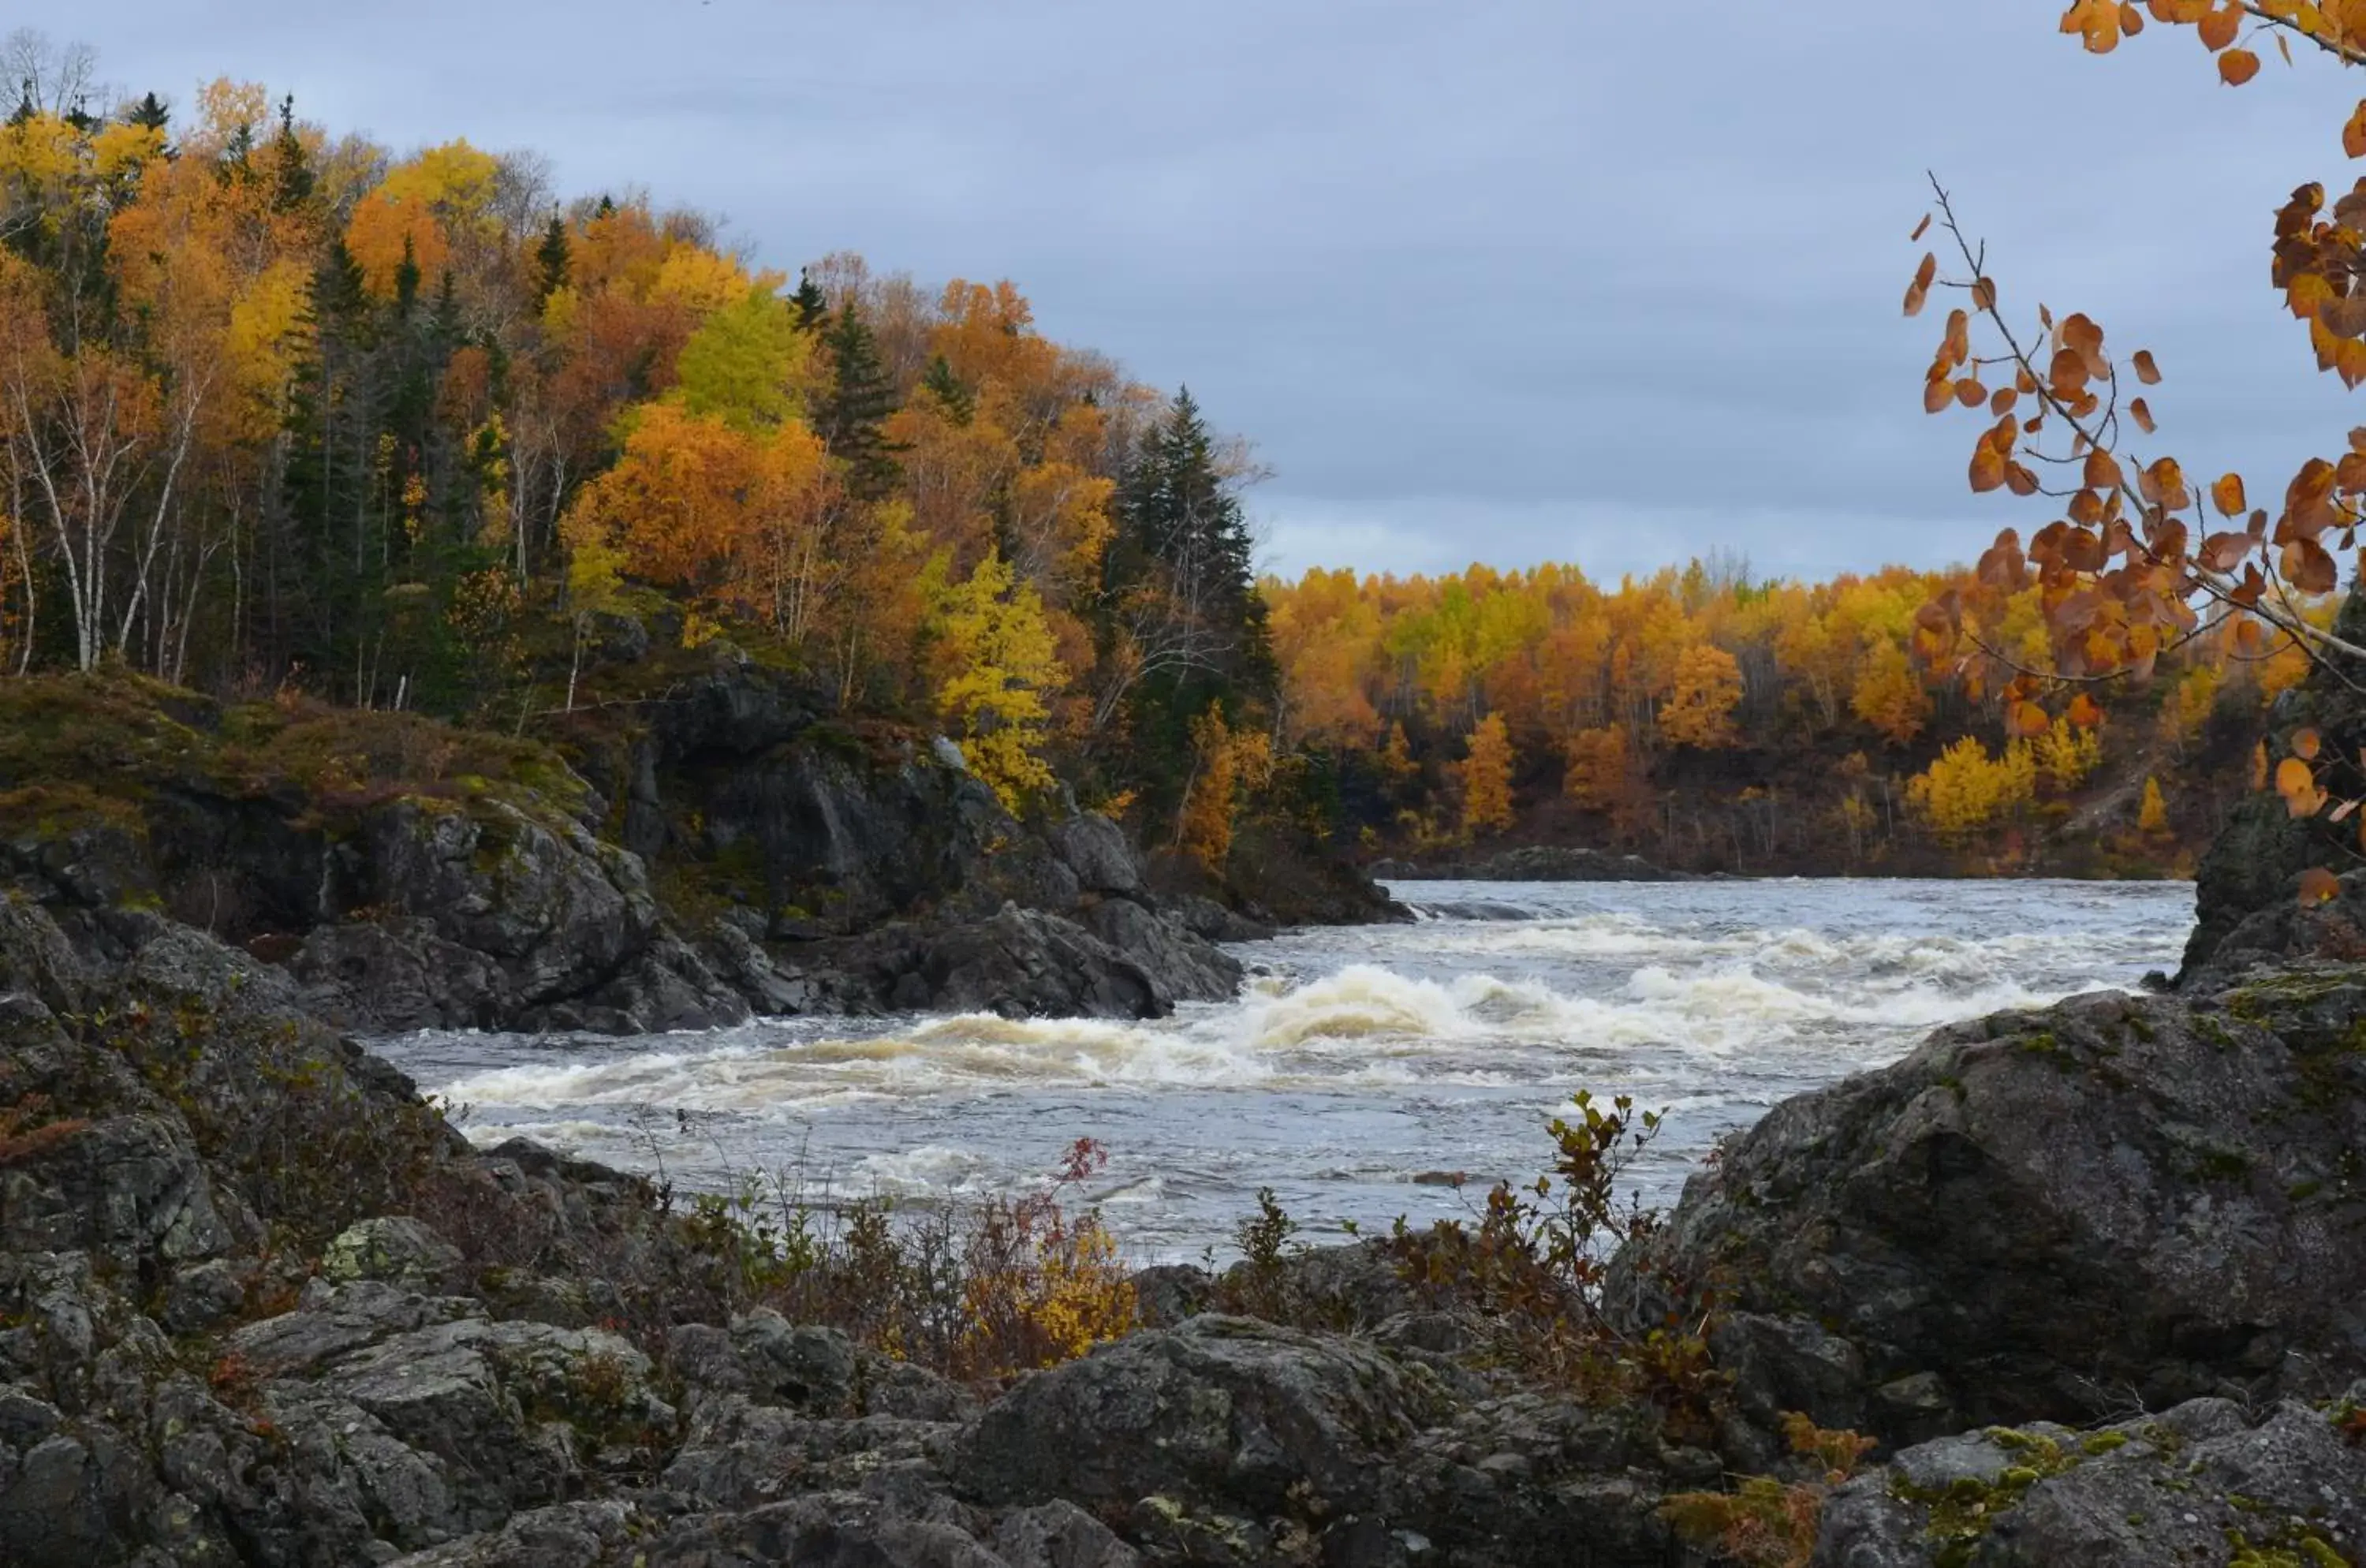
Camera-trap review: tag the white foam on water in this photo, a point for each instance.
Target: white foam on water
(1351, 1061)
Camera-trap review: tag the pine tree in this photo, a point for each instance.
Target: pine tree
(291, 169)
(150, 113)
(552, 260)
(406, 281)
(1181, 513)
(861, 398)
(960, 403)
(812, 305)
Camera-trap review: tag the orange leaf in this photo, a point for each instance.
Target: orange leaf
(2318, 886)
(2002, 404)
(2130, 19)
(2297, 784)
(2226, 495)
(1937, 394)
(2219, 27)
(2224, 552)
(2305, 744)
(2311, 569)
(1919, 290)
(2083, 712)
(2353, 135)
(2259, 760)
(2142, 414)
(2028, 720)
(1920, 229)
(2146, 371)
(1970, 393)
(2237, 66)
(2102, 471)
(1988, 469)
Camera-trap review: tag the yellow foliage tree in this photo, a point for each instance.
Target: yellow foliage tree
(1699, 710)
(417, 210)
(1004, 664)
(2066, 754)
(1965, 791)
(1227, 764)
(2152, 817)
(1888, 695)
(1487, 778)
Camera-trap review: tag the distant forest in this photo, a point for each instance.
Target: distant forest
(282, 410)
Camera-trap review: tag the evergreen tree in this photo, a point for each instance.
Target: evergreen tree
(960, 403)
(406, 281)
(861, 398)
(552, 259)
(813, 306)
(1180, 513)
(150, 113)
(1183, 545)
(290, 167)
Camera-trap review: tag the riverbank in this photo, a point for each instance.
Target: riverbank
(722, 846)
(258, 1304)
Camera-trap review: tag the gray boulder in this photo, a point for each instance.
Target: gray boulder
(2040, 1214)
(1210, 1430)
(2201, 1482)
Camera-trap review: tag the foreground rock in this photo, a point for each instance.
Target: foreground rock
(260, 1306)
(2050, 1214)
(2203, 1481)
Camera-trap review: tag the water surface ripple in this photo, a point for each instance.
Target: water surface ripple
(1355, 1059)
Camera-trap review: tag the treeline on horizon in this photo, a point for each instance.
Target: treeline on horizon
(284, 411)
(1727, 721)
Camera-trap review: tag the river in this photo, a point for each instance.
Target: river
(1354, 1061)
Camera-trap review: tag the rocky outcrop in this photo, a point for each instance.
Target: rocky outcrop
(2254, 864)
(721, 848)
(2043, 1214)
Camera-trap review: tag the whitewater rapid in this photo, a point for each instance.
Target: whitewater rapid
(1355, 1060)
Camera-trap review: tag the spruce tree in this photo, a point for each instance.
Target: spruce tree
(406, 281)
(812, 305)
(292, 168)
(1184, 539)
(860, 400)
(960, 403)
(150, 113)
(552, 259)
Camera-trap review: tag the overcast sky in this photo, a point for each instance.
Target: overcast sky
(1500, 280)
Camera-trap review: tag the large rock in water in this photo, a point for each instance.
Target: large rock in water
(436, 915)
(2045, 1214)
(1026, 963)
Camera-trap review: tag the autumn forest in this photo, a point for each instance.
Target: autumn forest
(283, 411)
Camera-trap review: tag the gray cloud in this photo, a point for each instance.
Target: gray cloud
(1505, 280)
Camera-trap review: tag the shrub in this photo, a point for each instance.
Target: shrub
(1764, 1522)
(1534, 1266)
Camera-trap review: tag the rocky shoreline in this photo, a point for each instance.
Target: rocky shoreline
(2092, 1279)
(725, 848)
